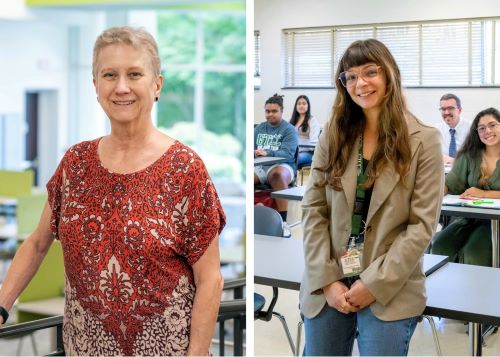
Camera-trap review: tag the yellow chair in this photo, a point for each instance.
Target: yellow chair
(43, 297)
(29, 210)
(48, 281)
(16, 183)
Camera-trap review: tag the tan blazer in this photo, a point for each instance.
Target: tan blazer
(400, 224)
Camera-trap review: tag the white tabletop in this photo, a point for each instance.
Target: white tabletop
(48, 307)
(286, 268)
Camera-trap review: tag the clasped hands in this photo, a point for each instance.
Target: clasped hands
(345, 300)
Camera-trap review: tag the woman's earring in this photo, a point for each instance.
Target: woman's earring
(156, 99)
(97, 98)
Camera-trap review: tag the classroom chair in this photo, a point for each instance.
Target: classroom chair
(268, 221)
(16, 183)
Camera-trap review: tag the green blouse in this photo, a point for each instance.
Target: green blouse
(466, 172)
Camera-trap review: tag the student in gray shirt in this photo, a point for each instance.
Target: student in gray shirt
(276, 137)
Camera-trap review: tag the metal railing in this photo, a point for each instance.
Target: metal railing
(24, 328)
(235, 312)
(232, 309)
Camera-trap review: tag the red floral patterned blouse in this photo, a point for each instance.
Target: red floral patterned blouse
(129, 241)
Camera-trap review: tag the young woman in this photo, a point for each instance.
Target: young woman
(474, 174)
(307, 127)
(370, 209)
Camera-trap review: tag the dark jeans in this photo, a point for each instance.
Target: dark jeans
(466, 241)
(332, 333)
(304, 159)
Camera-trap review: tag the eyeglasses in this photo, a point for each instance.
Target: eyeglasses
(482, 128)
(350, 78)
(447, 109)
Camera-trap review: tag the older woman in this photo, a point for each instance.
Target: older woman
(138, 219)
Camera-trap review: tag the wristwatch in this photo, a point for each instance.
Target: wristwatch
(4, 313)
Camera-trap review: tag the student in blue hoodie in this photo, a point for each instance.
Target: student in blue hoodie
(276, 137)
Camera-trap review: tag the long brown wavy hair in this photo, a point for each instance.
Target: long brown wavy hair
(347, 121)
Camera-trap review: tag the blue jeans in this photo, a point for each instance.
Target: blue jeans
(332, 333)
(304, 159)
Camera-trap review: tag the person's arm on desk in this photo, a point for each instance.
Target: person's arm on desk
(209, 283)
(474, 192)
(26, 262)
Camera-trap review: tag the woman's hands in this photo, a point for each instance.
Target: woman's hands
(473, 192)
(359, 295)
(345, 300)
(335, 297)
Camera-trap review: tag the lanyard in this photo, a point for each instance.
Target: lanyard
(357, 223)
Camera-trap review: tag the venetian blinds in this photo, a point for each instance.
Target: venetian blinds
(452, 53)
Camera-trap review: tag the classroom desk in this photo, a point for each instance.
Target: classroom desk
(307, 146)
(8, 206)
(468, 293)
(268, 160)
(9, 231)
(48, 307)
(8, 201)
(480, 213)
(232, 255)
(455, 291)
(277, 269)
(296, 194)
(293, 194)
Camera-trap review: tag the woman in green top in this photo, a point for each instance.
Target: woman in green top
(474, 174)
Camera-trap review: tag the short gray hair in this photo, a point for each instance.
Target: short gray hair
(134, 36)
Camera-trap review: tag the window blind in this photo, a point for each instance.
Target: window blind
(257, 62)
(445, 53)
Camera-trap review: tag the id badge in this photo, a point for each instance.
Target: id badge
(351, 260)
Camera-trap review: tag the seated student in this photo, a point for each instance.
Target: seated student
(275, 137)
(308, 129)
(474, 174)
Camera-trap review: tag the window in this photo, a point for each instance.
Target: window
(203, 97)
(451, 53)
(308, 58)
(256, 48)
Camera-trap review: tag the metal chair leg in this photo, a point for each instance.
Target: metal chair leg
(33, 343)
(299, 337)
(19, 346)
(287, 331)
(488, 330)
(434, 334)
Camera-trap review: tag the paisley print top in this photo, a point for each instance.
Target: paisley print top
(129, 241)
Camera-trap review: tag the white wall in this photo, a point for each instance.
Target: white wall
(271, 16)
(31, 63)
